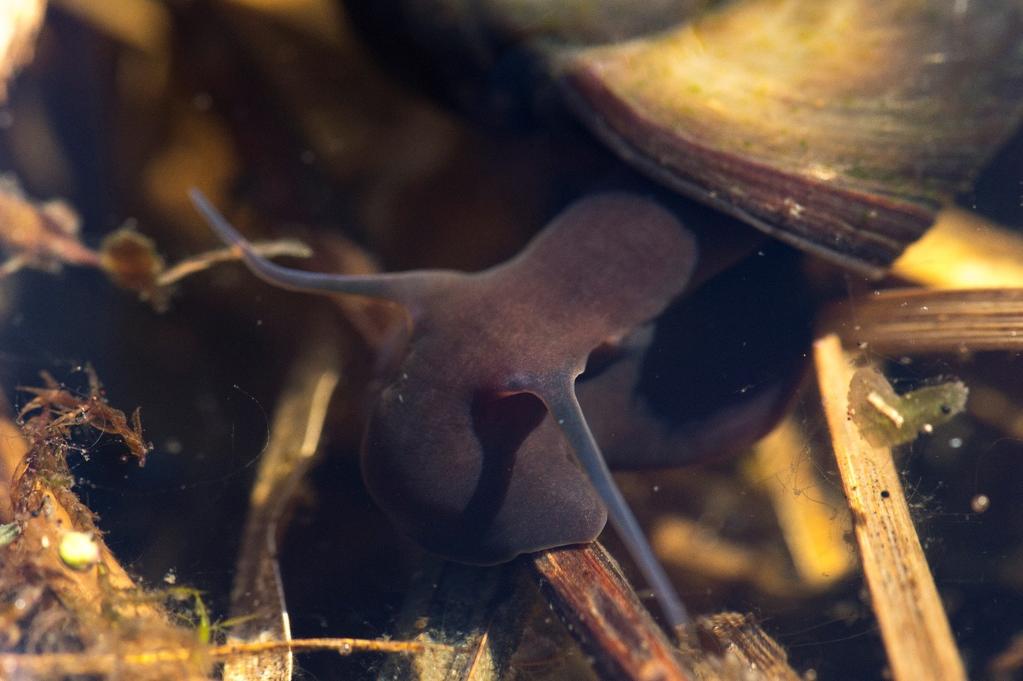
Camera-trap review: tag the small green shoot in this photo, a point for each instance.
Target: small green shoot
(886, 418)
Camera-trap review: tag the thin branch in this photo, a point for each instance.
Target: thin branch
(606, 616)
(913, 623)
(13, 665)
(198, 263)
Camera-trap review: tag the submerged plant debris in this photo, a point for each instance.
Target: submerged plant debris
(68, 606)
(38, 235)
(132, 262)
(45, 236)
(886, 418)
(54, 411)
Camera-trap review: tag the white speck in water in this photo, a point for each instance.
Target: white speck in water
(20, 604)
(905, 361)
(794, 208)
(657, 488)
(980, 503)
(401, 399)
(927, 428)
(955, 443)
(170, 577)
(173, 446)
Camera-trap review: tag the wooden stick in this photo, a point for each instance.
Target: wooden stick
(913, 623)
(924, 320)
(742, 650)
(605, 615)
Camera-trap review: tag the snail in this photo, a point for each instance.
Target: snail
(478, 447)
(839, 127)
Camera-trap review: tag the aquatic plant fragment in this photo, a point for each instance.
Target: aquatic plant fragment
(886, 418)
(478, 447)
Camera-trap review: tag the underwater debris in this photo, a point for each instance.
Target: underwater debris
(67, 607)
(886, 418)
(46, 235)
(131, 261)
(913, 623)
(43, 235)
(60, 410)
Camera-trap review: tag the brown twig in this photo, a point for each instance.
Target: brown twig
(604, 613)
(739, 650)
(913, 623)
